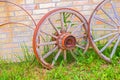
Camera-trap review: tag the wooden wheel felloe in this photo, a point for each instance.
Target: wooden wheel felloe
(60, 32)
(105, 29)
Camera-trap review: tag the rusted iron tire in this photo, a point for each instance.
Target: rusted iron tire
(104, 29)
(60, 33)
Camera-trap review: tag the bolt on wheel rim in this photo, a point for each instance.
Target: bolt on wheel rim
(105, 29)
(58, 32)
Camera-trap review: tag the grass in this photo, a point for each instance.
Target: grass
(86, 67)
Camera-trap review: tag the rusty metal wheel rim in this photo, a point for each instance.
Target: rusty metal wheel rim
(106, 14)
(59, 37)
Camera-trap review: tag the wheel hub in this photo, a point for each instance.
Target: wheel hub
(66, 41)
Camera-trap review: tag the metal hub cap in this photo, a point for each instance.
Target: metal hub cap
(66, 41)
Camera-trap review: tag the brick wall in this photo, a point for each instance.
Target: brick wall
(12, 36)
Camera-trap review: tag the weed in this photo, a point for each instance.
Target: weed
(86, 67)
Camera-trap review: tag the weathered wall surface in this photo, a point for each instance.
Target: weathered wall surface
(13, 36)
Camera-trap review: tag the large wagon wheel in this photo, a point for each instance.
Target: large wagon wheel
(105, 29)
(60, 31)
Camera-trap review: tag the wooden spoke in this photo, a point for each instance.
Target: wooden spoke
(47, 43)
(115, 47)
(49, 34)
(109, 42)
(103, 37)
(40, 35)
(37, 49)
(56, 57)
(80, 26)
(73, 54)
(109, 17)
(80, 46)
(115, 11)
(69, 26)
(62, 21)
(53, 25)
(50, 52)
(104, 21)
(81, 36)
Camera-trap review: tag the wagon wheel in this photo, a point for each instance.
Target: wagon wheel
(105, 29)
(59, 33)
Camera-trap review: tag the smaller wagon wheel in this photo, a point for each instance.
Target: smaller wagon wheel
(105, 29)
(61, 32)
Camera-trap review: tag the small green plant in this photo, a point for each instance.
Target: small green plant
(66, 20)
